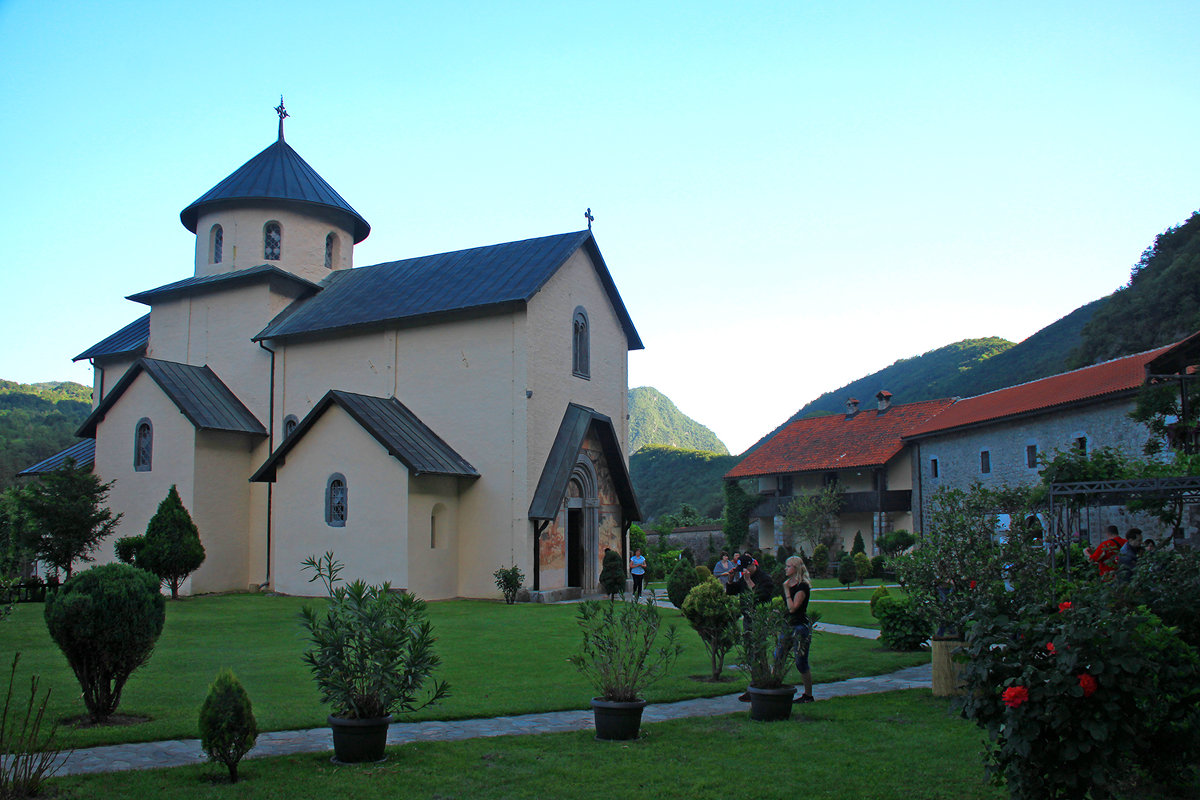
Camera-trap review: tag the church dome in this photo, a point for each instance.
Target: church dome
(278, 173)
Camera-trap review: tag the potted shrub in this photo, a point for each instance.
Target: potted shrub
(764, 627)
(621, 656)
(370, 652)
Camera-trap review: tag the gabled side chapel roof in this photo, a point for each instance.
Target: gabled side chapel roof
(478, 281)
(392, 424)
(83, 453)
(196, 391)
(556, 474)
(869, 438)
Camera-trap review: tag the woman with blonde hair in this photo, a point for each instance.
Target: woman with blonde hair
(797, 587)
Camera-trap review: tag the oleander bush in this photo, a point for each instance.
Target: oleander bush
(508, 581)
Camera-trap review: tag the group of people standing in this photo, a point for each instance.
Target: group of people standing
(1120, 554)
(742, 574)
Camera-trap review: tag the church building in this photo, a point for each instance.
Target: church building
(428, 420)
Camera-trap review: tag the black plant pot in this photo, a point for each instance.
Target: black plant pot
(356, 741)
(771, 705)
(617, 720)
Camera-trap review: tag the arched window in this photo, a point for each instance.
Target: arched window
(272, 241)
(289, 424)
(216, 245)
(580, 345)
(143, 445)
(331, 250)
(337, 502)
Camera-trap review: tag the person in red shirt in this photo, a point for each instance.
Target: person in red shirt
(1105, 554)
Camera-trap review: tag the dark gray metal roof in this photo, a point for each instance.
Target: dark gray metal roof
(130, 339)
(392, 424)
(196, 391)
(83, 453)
(223, 280)
(481, 280)
(564, 453)
(277, 173)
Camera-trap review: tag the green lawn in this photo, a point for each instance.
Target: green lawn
(855, 614)
(498, 659)
(900, 744)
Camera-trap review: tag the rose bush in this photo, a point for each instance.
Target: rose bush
(1081, 697)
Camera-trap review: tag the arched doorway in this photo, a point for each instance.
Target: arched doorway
(582, 527)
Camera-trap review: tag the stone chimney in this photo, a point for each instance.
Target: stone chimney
(885, 400)
(851, 406)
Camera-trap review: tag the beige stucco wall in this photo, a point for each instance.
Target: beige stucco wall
(550, 325)
(465, 380)
(136, 495)
(433, 551)
(373, 544)
(105, 375)
(221, 510)
(303, 244)
(215, 329)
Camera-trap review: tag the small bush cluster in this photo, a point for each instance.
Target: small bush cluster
(878, 566)
(862, 567)
(902, 626)
(228, 729)
(820, 561)
(682, 579)
(509, 581)
(612, 573)
(880, 592)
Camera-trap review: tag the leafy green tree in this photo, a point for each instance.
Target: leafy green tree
(895, 542)
(83, 617)
(227, 726)
(811, 517)
(713, 615)
(172, 548)
(820, 559)
(66, 515)
(862, 566)
(738, 505)
(847, 571)
(14, 550)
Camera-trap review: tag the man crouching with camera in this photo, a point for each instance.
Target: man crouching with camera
(747, 577)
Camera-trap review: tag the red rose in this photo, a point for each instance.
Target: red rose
(1050, 648)
(1065, 605)
(1088, 684)
(1015, 695)
(972, 584)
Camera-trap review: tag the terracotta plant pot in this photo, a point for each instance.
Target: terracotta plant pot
(771, 705)
(356, 741)
(617, 720)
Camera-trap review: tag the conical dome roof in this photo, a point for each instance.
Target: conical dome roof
(277, 173)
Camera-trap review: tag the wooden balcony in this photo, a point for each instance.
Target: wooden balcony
(853, 503)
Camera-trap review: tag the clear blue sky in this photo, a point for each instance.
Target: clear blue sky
(789, 195)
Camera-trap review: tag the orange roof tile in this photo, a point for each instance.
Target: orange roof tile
(869, 438)
(1089, 383)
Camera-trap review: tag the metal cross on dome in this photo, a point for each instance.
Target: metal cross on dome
(587, 215)
(282, 112)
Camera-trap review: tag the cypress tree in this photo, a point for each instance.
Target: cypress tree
(227, 726)
(172, 548)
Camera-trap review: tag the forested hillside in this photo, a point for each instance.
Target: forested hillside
(36, 421)
(654, 419)
(1159, 305)
(664, 477)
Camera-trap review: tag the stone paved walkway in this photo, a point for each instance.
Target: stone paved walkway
(151, 755)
